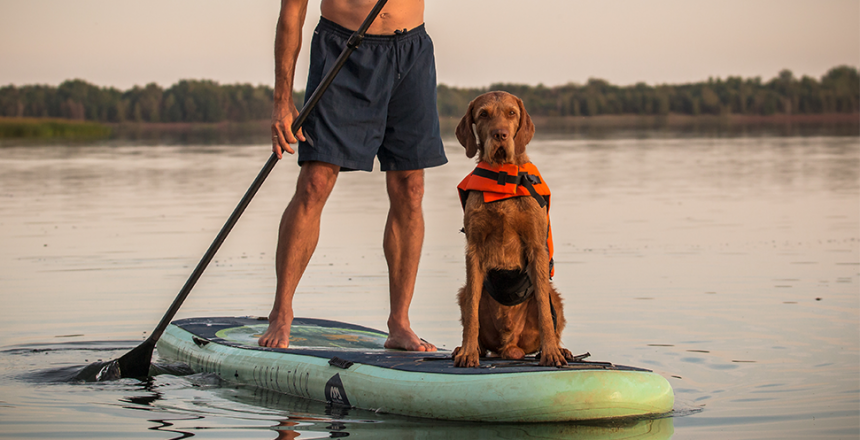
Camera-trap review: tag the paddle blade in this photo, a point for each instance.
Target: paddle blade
(98, 372)
(135, 364)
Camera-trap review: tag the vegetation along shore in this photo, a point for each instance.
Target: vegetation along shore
(78, 109)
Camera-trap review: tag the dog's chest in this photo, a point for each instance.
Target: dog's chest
(497, 230)
(516, 213)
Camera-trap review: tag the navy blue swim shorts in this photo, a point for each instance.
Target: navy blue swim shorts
(381, 104)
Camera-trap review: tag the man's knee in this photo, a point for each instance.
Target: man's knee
(406, 188)
(315, 183)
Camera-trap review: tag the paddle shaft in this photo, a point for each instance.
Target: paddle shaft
(311, 102)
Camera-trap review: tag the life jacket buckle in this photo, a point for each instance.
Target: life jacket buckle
(503, 178)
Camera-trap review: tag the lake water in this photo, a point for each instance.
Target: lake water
(731, 266)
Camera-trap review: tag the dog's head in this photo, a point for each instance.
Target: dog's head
(497, 125)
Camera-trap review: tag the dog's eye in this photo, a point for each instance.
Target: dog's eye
(512, 113)
(482, 114)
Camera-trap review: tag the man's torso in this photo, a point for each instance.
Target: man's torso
(396, 15)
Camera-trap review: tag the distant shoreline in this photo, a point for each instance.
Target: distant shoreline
(680, 119)
(255, 132)
(51, 128)
(831, 124)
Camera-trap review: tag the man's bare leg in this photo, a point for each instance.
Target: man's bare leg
(404, 236)
(297, 238)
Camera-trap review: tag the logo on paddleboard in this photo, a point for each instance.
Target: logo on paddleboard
(334, 391)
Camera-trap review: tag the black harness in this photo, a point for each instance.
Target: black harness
(513, 287)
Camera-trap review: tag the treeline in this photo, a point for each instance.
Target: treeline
(838, 91)
(185, 101)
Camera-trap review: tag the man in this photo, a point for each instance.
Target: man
(382, 104)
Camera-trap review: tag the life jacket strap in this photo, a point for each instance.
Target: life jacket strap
(528, 184)
(522, 178)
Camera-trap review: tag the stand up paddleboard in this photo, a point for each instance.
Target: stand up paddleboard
(345, 364)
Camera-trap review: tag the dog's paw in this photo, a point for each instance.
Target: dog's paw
(462, 359)
(567, 354)
(554, 357)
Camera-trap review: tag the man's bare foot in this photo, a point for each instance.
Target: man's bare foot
(278, 333)
(406, 339)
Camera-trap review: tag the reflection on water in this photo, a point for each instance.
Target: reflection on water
(730, 266)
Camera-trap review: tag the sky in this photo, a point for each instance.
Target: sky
(123, 43)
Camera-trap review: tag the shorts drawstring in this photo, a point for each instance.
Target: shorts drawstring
(398, 34)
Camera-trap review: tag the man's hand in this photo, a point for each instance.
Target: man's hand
(283, 115)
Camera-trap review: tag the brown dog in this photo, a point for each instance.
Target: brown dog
(507, 246)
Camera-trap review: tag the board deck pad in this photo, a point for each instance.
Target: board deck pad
(343, 342)
(310, 335)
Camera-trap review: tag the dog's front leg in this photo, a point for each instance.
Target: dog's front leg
(551, 351)
(470, 297)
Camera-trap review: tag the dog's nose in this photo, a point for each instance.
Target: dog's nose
(500, 134)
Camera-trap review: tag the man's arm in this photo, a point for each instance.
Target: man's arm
(288, 42)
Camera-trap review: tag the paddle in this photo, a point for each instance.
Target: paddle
(136, 363)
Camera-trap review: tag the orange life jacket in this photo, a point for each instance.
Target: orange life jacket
(502, 182)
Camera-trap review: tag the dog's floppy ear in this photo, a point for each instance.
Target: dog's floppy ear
(465, 134)
(525, 131)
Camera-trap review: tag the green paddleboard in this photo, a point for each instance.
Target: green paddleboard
(345, 364)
